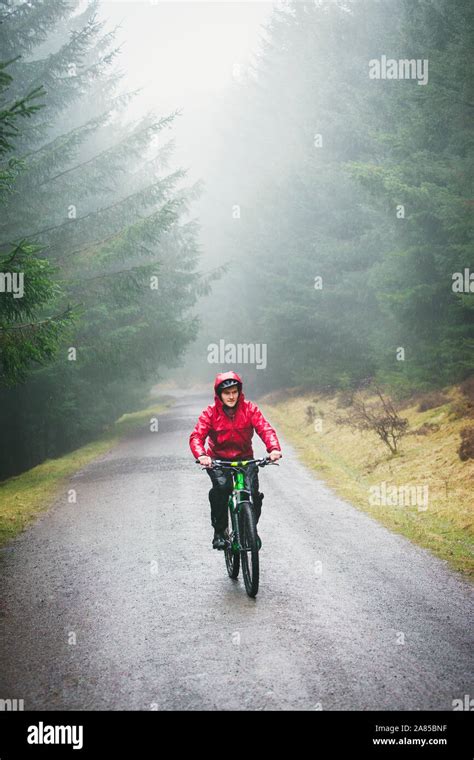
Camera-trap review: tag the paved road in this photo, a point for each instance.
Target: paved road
(120, 602)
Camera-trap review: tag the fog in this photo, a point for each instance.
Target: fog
(282, 189)
(185, 56)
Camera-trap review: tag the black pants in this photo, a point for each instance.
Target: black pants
(222, 486)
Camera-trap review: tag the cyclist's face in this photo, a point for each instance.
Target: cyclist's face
(230, 395)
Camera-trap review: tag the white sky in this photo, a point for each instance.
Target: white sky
(184, 49)
(182, 54)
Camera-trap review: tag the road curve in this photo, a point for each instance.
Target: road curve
(119, 601)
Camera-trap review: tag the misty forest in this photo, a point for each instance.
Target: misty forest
(332, 223)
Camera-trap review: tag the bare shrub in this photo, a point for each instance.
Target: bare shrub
(465, 406)
(466, 447)
(461, 408)
(425, 429)
(432, 401)
(467, 388)
(379, 417)
(345, 399)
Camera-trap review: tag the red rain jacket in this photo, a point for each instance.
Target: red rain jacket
(231, 438)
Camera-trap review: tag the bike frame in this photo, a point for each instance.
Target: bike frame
(239, 495)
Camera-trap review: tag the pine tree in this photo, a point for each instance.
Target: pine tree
(424, 158)
(30, 330)
(98, 199)
(323, 159)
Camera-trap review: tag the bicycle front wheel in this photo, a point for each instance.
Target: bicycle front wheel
(232, 556)
(249, 551)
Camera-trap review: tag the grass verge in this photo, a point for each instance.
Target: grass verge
(352, 463)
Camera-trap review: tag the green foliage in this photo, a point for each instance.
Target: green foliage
(329, 210)
(424, 146)
(29, 330)
(101, 230)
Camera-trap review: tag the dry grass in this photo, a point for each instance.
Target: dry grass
(351, 462)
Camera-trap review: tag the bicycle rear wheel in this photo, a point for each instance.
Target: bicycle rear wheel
(248, 540)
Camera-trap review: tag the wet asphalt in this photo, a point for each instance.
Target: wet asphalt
(118, 601)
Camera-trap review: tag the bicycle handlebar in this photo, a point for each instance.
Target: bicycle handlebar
(238, 463)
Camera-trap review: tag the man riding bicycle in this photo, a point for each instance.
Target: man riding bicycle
(229, 424)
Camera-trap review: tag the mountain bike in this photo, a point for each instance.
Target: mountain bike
(242, 546)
